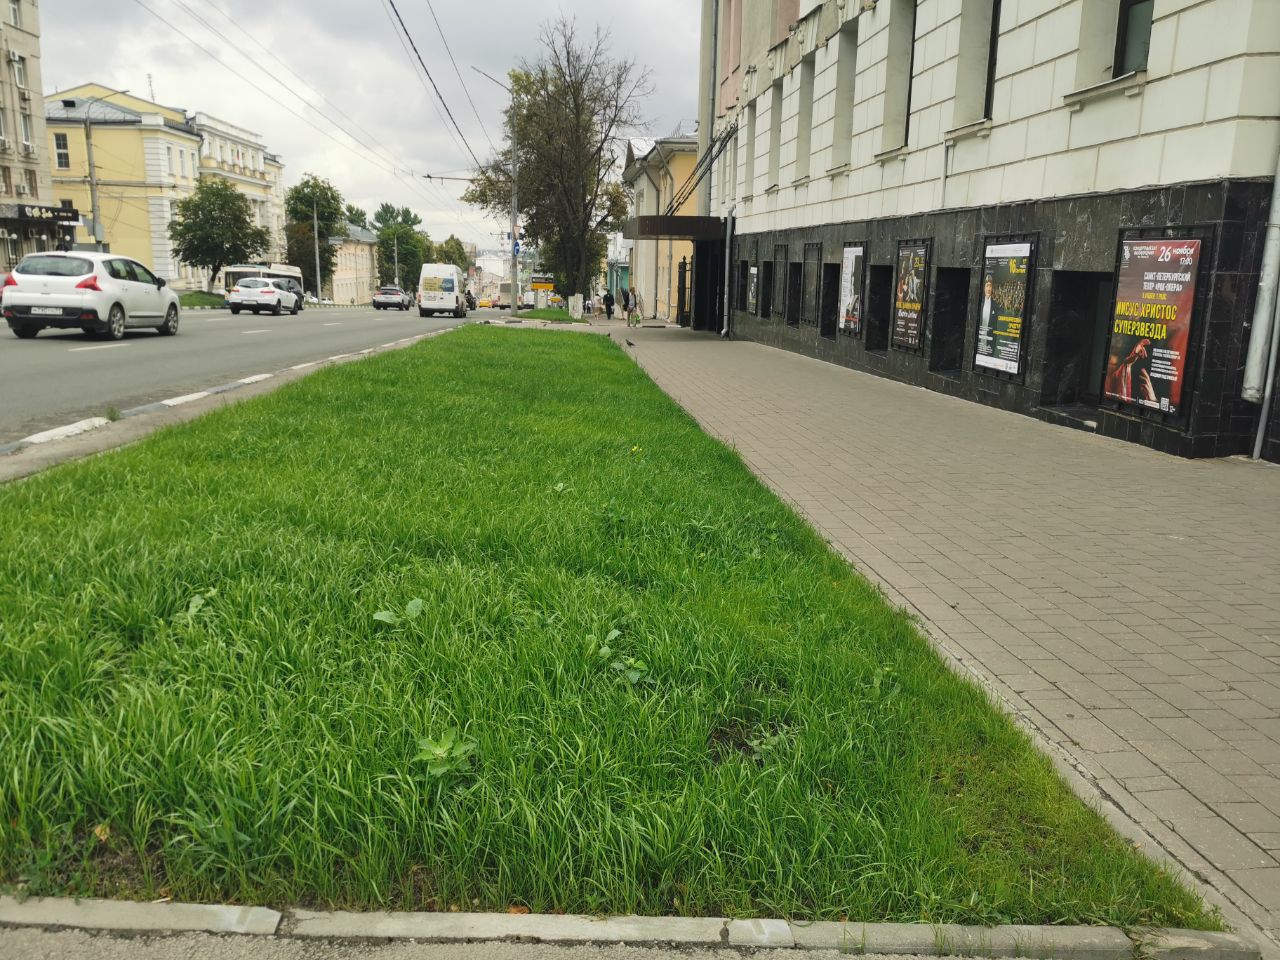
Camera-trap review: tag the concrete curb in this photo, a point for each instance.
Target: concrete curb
(150, 917)
(869, 939)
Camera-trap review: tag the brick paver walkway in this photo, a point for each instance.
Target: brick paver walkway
(1125, 603)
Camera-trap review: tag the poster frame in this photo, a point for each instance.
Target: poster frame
(861, 281)
(925, 299)
(1028, 310)
(1206, 233)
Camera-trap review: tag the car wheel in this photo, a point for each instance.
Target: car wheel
(170, 326)
(296, 308)
(115, 323)
(25, 331)
(277, 309)
(235, 311)
(422, 313)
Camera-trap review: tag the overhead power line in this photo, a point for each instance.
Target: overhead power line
(434, 86)
(465, 90)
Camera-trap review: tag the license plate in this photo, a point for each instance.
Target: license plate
(47, 311)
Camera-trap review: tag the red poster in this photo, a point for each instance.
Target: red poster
(1151, 329)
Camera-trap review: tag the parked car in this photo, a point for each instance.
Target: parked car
(97, 292)
(296, 289)
(312, 298)
(485, 302)
(392, 298)
(261, 294)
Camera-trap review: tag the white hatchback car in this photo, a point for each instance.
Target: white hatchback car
(263, 294)
(97, 292)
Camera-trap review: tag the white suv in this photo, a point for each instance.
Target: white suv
(97, 292)
(263, 293)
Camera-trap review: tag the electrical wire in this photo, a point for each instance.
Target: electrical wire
(465, 90)
(443, 102)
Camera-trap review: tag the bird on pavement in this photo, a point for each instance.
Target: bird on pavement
(628, 342)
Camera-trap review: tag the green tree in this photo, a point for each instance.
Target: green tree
(313, 200)
(357, 216)
(401, 240)
(452, 251)
(388, 215)
(300, 242)
(215, 228)
(570, 110)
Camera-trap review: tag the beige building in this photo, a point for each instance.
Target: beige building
(655, 170)
(146, 156)
(355, 271)
(31, 216)
(238, 155)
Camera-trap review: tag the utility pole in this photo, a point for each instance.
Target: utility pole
(515, 205)
(315, 223)
(93, 182)
(396, 236)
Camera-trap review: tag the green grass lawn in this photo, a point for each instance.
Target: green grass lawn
(198, 298)
(555, 316)
(491, 622)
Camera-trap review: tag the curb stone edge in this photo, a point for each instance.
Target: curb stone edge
(868, 939)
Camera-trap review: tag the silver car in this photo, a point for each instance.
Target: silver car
(96, 292)
(263, 295)
(392, 298)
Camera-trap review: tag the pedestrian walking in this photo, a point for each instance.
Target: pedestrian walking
(636, 311)
(608, 301)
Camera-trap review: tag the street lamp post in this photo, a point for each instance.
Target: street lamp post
(515, 204)
(99, 235)
(315, 224)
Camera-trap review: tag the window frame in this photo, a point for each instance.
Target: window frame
(28, 131)
(1120, 68)
(993, 49)
(20, 73)
(62, 151)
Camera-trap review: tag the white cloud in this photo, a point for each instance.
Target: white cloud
(349, 53)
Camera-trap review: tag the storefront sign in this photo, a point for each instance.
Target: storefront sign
(1151, 329)
(910, 294)
(753, 287)
(1002, 308)
(27, 211)
(851, 291)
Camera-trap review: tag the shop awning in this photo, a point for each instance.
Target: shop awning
(674, 228)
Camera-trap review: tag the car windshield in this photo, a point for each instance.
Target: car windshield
(47, 266)
(253, 283)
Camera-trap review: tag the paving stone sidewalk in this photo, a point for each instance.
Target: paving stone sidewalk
(1125, 603)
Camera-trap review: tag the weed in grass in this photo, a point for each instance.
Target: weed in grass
(792, 747)
(113, 413)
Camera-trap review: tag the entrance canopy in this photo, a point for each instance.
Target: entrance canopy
(674, 228)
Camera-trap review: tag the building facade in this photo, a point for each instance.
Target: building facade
(355, 271)
(1057, 207)
(31, 216)
(146, 156)
(654, 173)
(239, 156)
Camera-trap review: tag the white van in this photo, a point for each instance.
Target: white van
(441, 289)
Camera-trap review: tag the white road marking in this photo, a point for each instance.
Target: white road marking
(70, 430)
(257, 378)
(303, 366)
(178, 401)
(336, 323)
(105, 346)
(391, 344)
(341, 356)
(268, 330)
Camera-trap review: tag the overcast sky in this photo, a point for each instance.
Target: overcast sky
(348, 51)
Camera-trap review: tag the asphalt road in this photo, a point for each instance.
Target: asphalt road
(28, 944)
(62, 376)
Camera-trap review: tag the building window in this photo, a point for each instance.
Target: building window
(780, 280)
(20, 72)
(62, 150)
(4, 123)
(26, 129)
(804, 120)
(65, 204)
(32, 183)
(749, 175)
(976, 61)
(182, 162)
(896, 124)
(846, 68)
(15, 13)
(775, 132)
(6, 181)
(1133, 36)
(168, 160)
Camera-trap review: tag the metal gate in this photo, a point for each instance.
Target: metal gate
(684, 292)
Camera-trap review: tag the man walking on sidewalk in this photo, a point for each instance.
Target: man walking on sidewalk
(607, 299)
